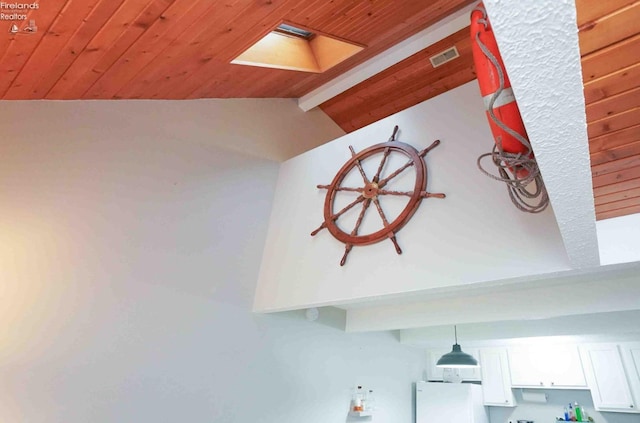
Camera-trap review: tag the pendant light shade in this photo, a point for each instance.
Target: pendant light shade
(457, 358)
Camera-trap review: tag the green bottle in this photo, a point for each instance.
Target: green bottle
(578, 411)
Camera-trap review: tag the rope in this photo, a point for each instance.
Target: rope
(511, 164)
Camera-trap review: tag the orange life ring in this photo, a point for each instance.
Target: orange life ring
(504, 106)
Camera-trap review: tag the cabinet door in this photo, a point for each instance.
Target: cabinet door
(557, 366)
(437, 373)
(606, 378)
(564, 367)
(496, 387)
(631, 362)
(527, 367)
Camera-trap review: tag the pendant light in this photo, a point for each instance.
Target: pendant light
(457, 358)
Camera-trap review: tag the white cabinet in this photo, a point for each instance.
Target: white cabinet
(605, 372)
(438, 373)
(557, 366)
(631, 361)
(496, 386)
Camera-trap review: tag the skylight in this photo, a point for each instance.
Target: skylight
(290, 47)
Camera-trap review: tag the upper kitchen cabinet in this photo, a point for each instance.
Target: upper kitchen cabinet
(631, 360)
(611, 386)
(496, 386)
(557, 366)
(437, 374)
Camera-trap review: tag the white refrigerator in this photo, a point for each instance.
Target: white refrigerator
(449, 403)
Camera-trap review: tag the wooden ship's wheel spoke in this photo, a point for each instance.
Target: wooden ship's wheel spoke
(372, 191)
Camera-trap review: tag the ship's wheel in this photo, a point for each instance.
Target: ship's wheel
(373, 190)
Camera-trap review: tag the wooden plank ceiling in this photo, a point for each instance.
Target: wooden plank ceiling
(403, 85)
(179, 49)
(610, 49)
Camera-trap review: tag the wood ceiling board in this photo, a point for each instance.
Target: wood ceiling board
(616, 177)
(615, 139)
(366, 35)
(616, 187)
(621, 204)
(109, 44)
(409, 98)
(613, 83)
(618, 153)
(613, 105)
(590, 10)
(284, 83)
(611, 59)
(176, 20)
(64, 27)
(614, 123)
(374, 107)
(167, 48)
(204, 70)
(403, 85)
(193, 49)
(617, 212)
(369, 35)
(20, 47)
(198, 72)
(86, 30)
(620, 24)
(618, 196)
(609, 44)
(411, 70)
(616, 165)
(416, 16)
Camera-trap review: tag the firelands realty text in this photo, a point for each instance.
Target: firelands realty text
(13, 8)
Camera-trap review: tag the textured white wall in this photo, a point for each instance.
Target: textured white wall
(473, 236)
(538, 41)
(128, 260)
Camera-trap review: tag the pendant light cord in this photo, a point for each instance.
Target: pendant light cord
(455, 332)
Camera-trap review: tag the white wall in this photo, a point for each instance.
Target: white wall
(128, 259)
(473, 236)
(269, 128)
(619, 239)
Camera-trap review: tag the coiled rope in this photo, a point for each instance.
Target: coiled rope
(512, 165)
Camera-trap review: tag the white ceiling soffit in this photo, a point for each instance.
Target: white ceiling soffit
(539, 45)
(592, 327)
(604, 289)
(386, 59)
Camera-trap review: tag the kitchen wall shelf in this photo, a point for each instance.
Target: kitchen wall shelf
(361, 413)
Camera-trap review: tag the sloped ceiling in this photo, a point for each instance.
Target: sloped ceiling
(179, 49)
